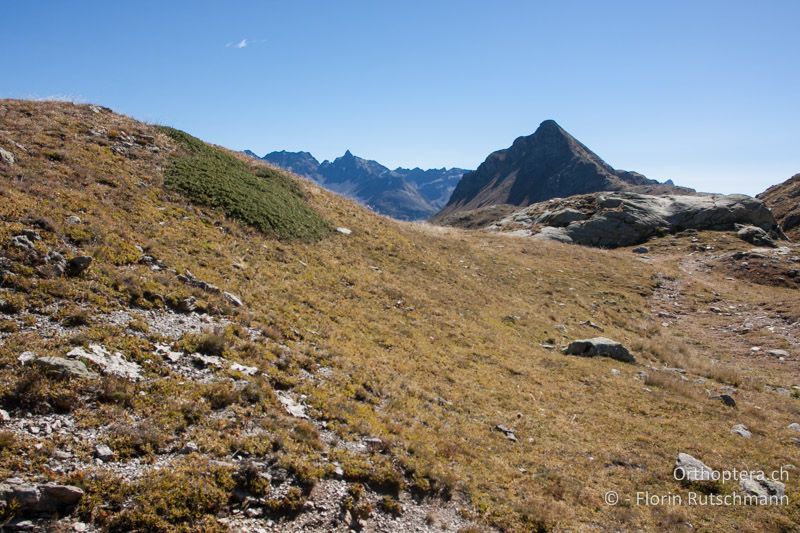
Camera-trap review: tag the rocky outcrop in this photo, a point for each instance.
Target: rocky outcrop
(784, 200)
(618, 219)
(551, 163)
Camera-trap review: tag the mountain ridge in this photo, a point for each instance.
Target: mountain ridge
(550, 163)
(404, 194)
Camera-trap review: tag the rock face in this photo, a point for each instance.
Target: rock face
(599, 346)
(784, 200)
(551, 163)
(625, 219)
(402, 193)
(39, 500)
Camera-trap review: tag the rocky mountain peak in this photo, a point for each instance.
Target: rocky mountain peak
(550, 163)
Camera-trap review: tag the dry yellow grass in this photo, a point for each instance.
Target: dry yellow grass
(433, 337)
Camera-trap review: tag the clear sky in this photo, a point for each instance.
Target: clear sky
(703, 92)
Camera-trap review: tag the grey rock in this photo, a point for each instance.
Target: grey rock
(190, 447)
(778, 353)
(21, 241)
(626, 219)
(561, 217)
(57, 265)
(508, 432)
(294, 408)
(232, 299)
(103, 452)
(4, 416)
(549, 233)
(741, 430)
(641, 250)
(64, 368)
(186, 305)
(78, 265)
(687, 468)
(344, 231)
(762, 487)
(794, 426)
(755, 235)
(6, 156)
(42, 499)
(110, 363)
(599, 346)
(74, 220)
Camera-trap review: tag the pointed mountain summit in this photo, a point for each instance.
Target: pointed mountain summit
(551, 163)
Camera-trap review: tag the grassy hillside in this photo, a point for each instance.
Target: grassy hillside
(417, 338)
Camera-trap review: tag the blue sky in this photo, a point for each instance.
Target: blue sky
(703, 92)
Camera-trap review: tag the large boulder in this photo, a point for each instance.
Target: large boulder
(618, 219)
(599, 346)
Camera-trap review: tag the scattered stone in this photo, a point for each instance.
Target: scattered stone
(641, 250)
(103, 452)
(778, 353)
(205, 361)
(294, 408)
(165, 350)
(26, 357)
(508, 432)
(191, 279)
(190, 447)
(592, 325)
(794, 426)
(114, 364)
(727, 399)
(4, 416)
(762, 487)
(344, 231)
(21, 241)
(41, 499)
(64, 368)
(74, 220)
(186, 305)
(7, 157)
(246, 370)
(741, 430)
(78, 265)
(55, 265)
(232, 299)
(615, 372)
(599, 346)
(687, 468)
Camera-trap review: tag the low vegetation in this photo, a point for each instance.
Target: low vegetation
(263, 197)
(407, 344)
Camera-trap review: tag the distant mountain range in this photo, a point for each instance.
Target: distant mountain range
(404, 194)
(551, 163)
